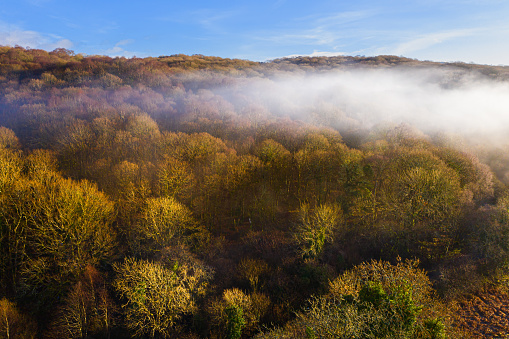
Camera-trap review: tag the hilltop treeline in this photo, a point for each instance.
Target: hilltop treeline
(137, 198)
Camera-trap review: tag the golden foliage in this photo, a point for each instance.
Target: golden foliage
(157, 297)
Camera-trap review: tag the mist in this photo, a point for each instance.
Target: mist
(432, 100)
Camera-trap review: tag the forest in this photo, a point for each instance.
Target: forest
(201, 197)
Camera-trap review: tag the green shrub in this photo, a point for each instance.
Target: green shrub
(235, 321)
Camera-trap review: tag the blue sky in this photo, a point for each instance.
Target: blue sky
(446, 30)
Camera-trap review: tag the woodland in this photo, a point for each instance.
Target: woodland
(153, 198)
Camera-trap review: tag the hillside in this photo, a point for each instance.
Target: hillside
(194, 196)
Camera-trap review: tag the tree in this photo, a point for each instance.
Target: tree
(373, 300)
(12, 233)
(63, 225)
(8, 139)
(175, 178)
(87, 309)
(277, 164)
(13, 323)
(431, 196)
(157, 297)
(473, 175)
(75, 148)
(11, 166)
(235, 322)
(237, 312)
(142, 134)
(251, 270)
(412, 202)
(370, 202)
(226, 186)
(316, 228)
(191, 147)
(428, 205)
(164, 222)
(131, 188)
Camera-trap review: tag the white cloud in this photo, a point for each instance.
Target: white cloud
(118, 51)
(316, 30)
(427, 40)
(12, 35)
(63, 43)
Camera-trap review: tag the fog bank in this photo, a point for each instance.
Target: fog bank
(429, 99)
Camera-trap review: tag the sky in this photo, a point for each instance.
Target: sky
(438, 30)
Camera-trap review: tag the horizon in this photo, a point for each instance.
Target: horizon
(296, 56)
(468, 31)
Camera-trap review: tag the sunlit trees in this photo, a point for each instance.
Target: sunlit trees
(191, 147)
(369, 186)
(373, 300)
(473, 175)
(429, 205)
(60, 226)
(429, 196)
(130, 187)
(175, 178)
(164, 222)
(157, 297)
(316, 228)
(237, 312)
(12, 232)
